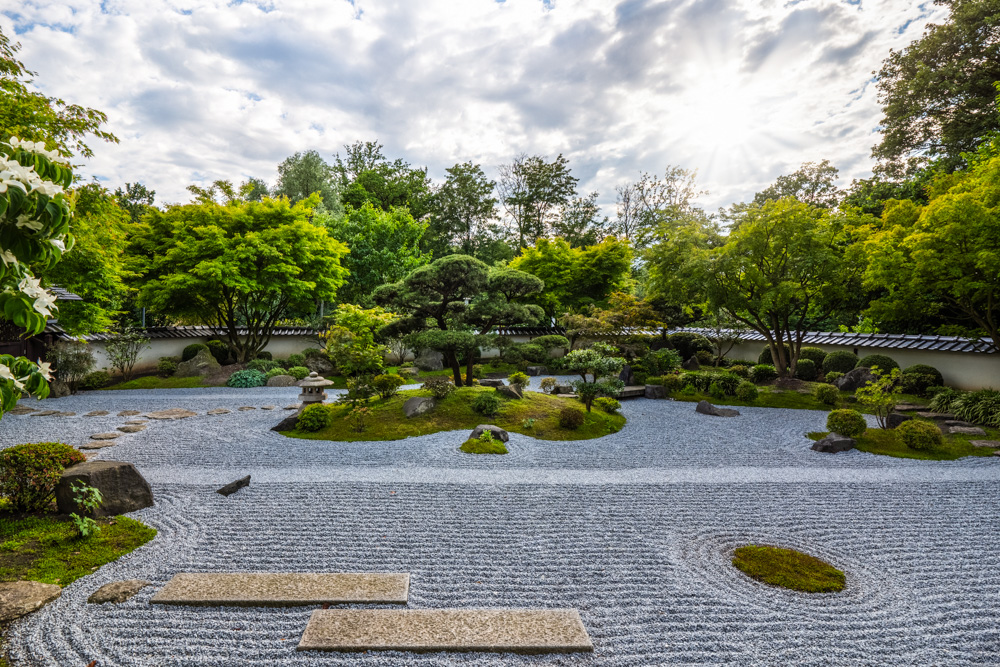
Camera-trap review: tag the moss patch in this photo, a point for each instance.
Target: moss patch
(771, 396)
(886, 442)
(788, 568)
(475, 446)
(455, 412)
(156, 382)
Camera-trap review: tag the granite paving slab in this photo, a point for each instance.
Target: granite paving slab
(105, 436)
(282, 589)
(171, 414)
(426, 630)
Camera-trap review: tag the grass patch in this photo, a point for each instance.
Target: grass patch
(455, 412)
(774, 397)
(47, 549)
(886, 442)
(476, 446)
(788, 568)
(156, 382)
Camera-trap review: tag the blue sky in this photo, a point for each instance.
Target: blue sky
(740, 90)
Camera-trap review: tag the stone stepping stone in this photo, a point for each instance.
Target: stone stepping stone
(908, 407)
(290, 407)
(247, 407)
(98, 445)
(45, 413)
(267, 407)
(288, 589)
(172, 413)
(117, 591)
(218, 411)
(940, 416)
(425, 630)
(96, 413)
(21, 410)
(105, 436)
(966, 430)
(129, 413)
(18, 598)
(132, 428)
(136, 421)
(992, 444)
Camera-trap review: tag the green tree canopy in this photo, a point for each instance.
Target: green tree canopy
(812, 183)
(135, 199)
(366, 176)
(463, 211)
(580, 222)
(302, 174)
(532, 191)
(239, 265)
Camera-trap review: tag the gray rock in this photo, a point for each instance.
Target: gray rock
(563, 389)
(691, 364)
(509, 391)
(58, 389)
(491, 382)
(908, 407)
(851, 380)
(937, 416)
(202, 364)
(128, 413)
(834, 443)
(418, 406)
(286, 424)
(655, 391)
(121, 486)
(281, 381)
(118, 591)
(18, 598)
(894, 419)
(218, 411)
(991, 444)
(172, 414)
(956, 422)
(132, 428)
(965, 430)
(105, 436)
(319, 365)
(96, 413)
(627, 376)
(706, 408)
(535, 371)
(429, 360)
(497, 432)
(233, 487)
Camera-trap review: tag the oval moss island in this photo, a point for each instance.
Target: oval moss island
(788, 568)
(536, 415)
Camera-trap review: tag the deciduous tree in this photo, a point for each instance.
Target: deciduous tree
(531, 190)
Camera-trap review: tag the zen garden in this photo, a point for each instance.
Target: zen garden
(369, 415)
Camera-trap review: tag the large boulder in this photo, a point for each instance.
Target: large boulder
(851, 380)
(496, 383)
(691, 364)
(655, 391)
(706, 408)
(18, 598)
(627, 376)
(834, 443)
(429, 360)
(287, 424)
(535, 371)
(509, 391)
(58, 389)
(122, 487)
(202, 364)
(418, 406)
(894, 419)
(319, 365)
(497, 432)
(282, 381)
(562, 389)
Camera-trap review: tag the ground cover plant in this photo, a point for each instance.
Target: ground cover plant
(455, 411)
(788, 568)
(484, 444)
(889, 442)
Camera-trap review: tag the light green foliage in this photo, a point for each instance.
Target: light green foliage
(387, 385)
(486, 403)
(314, 418)
(485, 444)
(246, 379)
(302, 174)
(609, 405)
(651, 206)
(95, 380)
(848, 423)
(827, 394)
(813, 183)
(30, 472)
(350, 339)
(832, 377)
(275, 372)
(880, 395)
(946, 400)
(439, 386)
(548, 384)
(88, 499)
(528, 424)
(519, 380)
(299, 372)
(788, 568)
(747, 392)
(263, 365)
(840, 361)
(123, 350)
(243, 265)
(919, 435)
(358, 417)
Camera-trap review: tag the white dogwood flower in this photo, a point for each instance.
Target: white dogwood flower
(45, 368)
(6, 374)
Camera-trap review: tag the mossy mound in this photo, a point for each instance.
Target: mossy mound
(476, 446)
(788, 568)
(454, 412)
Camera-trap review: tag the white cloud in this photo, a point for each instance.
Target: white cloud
(204, 89)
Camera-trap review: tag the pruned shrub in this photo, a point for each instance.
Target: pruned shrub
(313, 352)
(660, 362)
(166, 367)
(917, 383)
(671, 383)
(298, 372)
(767, 358)
(438, 385)
(192, 350)
(486, 403)
(315, 417)
(827, 394)
(95, 380)
(551, 342)
(519, 380)
(924, 369)
(840, 361)
(880, 361)
(832, 377)
(246, 379)
(265, 355)
(813, 354)
(762, 373)
(705, 358)
(608, 404)
(275, 372)
(850, 423)
(220, 350)
(534, 353)
(387, 385)
(295, 360)
(571, 418)
(747, 392)
(805, 369)
(715, 390)
(739, 370)
(919, 435)
(263, 365)
(29, 473)
(548, 384)
(687, 343)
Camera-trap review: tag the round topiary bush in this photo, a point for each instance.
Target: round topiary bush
(765, 355)
(246, 379)
(671, 383)
(813, 354)
(762, 373)
(29, 473)
(571, 418)
(608, 404)
(747, 392)
(486, 403)
(739, 370)
(832, 377)
(275, 372)
(827, 394)
(840, 361)
(387, 384)
(166, 367)
(687, 344)
(315, 417)
(850, 423)
(95, 380)
(298, 372)
(295, 360)
(788, 568)
(220, 351)
(192, 350)
(916, 383)
(265, 355)
(534, 353)
(919, 435)
(805, 369)
(884, 363)
(519, 380)
(924, 369)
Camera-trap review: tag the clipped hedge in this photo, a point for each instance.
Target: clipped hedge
(29, 473)
(850, 423)
(747, 391)
(884, 363)
(813, 354)
(192, 350)
(840, 361)
(827, 394)
(766, 358)
(805, 369)
(571, 418)
(919, 435)
(315, 417)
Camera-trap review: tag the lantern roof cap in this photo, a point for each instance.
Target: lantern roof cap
(315, 380)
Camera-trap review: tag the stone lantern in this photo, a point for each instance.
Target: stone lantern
(314, 389)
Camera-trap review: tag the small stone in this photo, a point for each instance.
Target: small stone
(691, 364)
(655, 391)
(132, 428)
(105, 436)
(233, 487)
(627, 375)
(706, 408)
(965, 430)
(129, 413)
(218, 411)
(937, 416)
(247, 407)
(45, 413)
(98, 445)
(562, 389)
(834, 443)
(992, 444)
(290, 407)
(96, 413)
(853, 379)
(894, 419)
(908, 407)
(18, 598)
(535, 371)
(418, 405)
(497, 432)
(286, 424)
(492, 382)
(172, 413)
(956, 422)
(267, 407)
(117, 591)
(509, 391)
(65, 414)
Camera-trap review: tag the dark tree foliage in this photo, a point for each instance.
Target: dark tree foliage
(532, 190)
(135, 199)
(938, 96)
(366, 176)
(463, 211)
